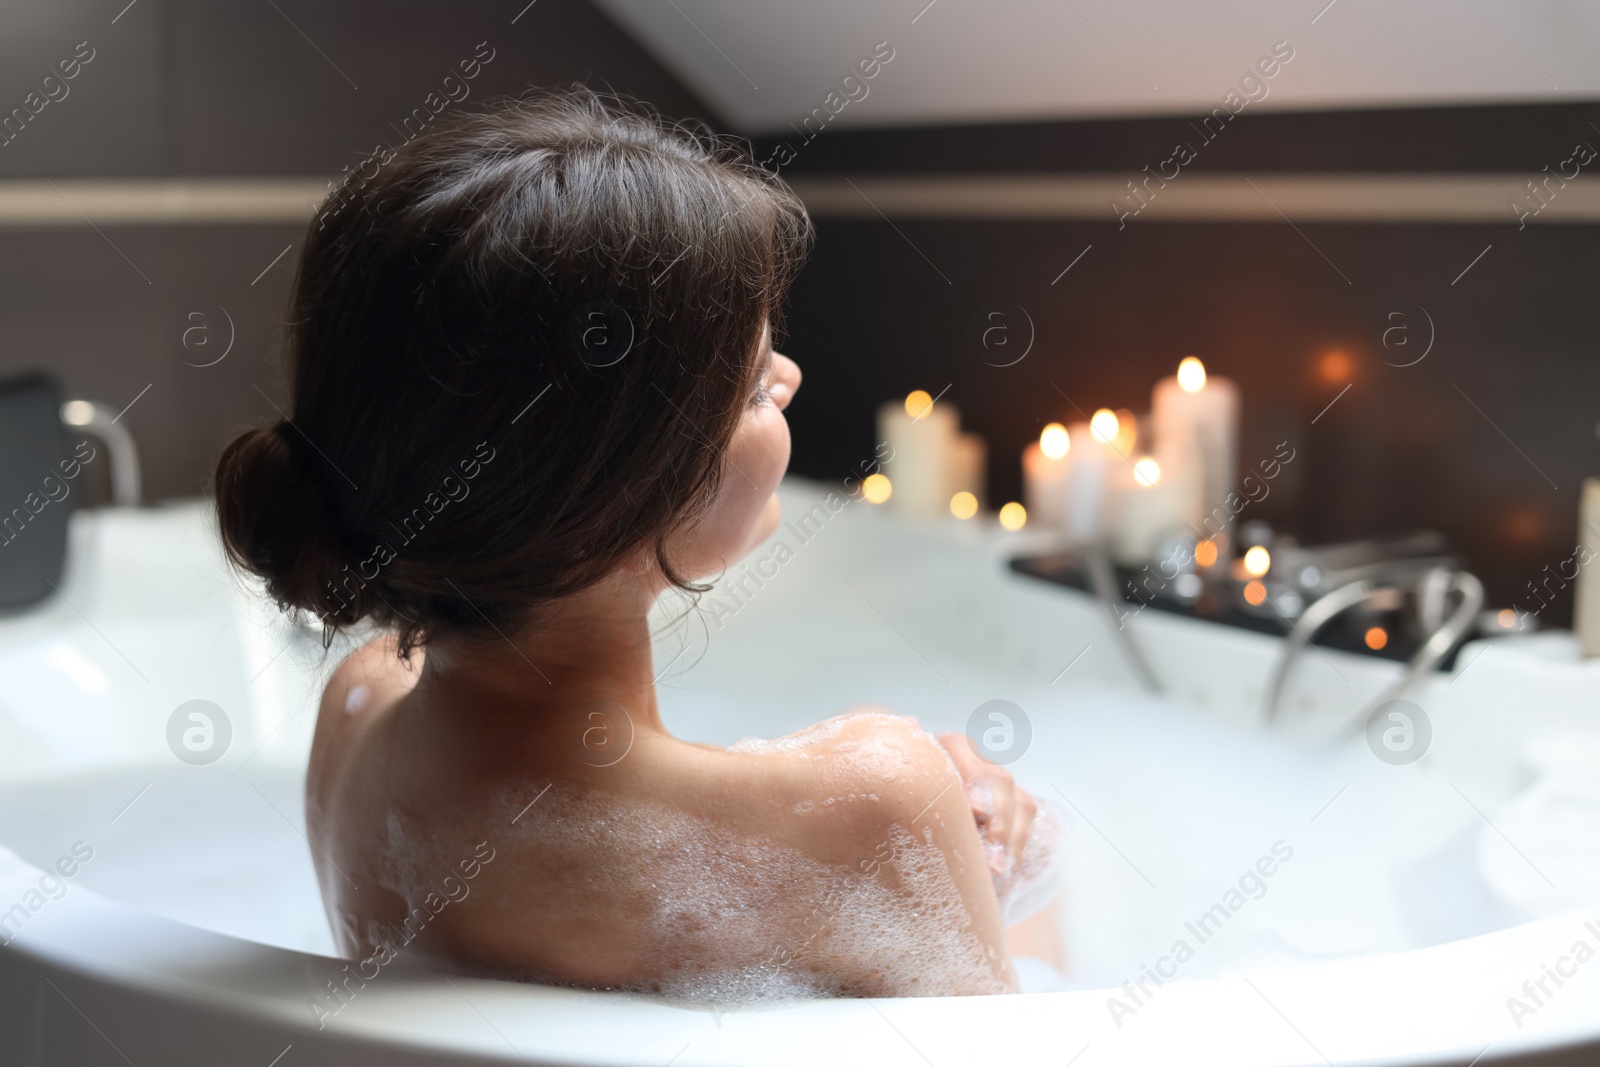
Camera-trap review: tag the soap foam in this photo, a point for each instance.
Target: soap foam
(878, 754)
(815, 736)
(1023, 888)
(403, 856)
(1027, 886)
(712, 915)
(356, 699)
(727, 918)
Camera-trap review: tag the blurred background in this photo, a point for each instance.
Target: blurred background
(1032, 208)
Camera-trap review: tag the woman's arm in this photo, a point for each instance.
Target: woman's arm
(1003, 812)
(1008, 821)
(920, 841)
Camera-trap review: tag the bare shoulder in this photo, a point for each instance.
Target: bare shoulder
(372, 672)
(366, 682)
(852, 776)
(874, 747)
(881, 796)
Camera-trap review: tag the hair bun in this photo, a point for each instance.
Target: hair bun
(275, 523)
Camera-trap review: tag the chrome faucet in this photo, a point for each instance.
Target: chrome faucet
(1103, 583)
(1380, 573)
(1301, 590)
(100, 420)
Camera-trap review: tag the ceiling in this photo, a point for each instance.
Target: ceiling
(764, 65)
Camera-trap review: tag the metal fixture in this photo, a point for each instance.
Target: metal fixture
(1103, 580)
(1383, 574)
(100, 420)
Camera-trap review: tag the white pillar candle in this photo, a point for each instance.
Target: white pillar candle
(1046, 465)
(1148, 505)
(1195, 420)
(921, 436)
(1087, 487)
(1044, 487)
(1586, 612)
(968, 454)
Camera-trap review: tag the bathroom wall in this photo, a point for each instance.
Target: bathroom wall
(1486, 438)
(177, 88)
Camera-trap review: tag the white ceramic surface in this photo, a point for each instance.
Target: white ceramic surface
(1417, 900)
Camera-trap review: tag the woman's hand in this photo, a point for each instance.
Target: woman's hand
(1004, 813)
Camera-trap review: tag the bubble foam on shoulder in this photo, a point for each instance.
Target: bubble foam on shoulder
(726, 918)
(812, 736)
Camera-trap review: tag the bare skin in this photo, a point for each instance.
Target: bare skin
(516, 807)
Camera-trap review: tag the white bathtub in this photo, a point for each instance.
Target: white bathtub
(1417, 899)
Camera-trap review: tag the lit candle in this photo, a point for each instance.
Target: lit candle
(1195, 419)
(921, 436)
(1586, 613)
(1149, 506)
(1045, 468)
(1087, 488)
(968, 453)
(1127, 436)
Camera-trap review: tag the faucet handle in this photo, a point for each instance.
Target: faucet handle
(100, 420)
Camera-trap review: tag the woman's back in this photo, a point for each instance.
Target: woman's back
(533, 386)
(818, 864)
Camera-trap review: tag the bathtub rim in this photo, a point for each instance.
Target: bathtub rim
(92, 941)
(50, 946)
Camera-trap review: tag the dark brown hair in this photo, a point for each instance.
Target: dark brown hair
(520, 347)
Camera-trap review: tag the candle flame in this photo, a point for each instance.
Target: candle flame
(1191, 375)
(1127, 431)
(1147, 472)
(1054, 441)
(918, 403)
(1103, 427)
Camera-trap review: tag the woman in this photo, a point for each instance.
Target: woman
(533, 387)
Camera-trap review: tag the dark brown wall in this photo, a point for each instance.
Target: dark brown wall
(1518, 336)
(187, 87)
(183, 87)
(234, 87)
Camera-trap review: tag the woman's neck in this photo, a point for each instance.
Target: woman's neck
(594, 647)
